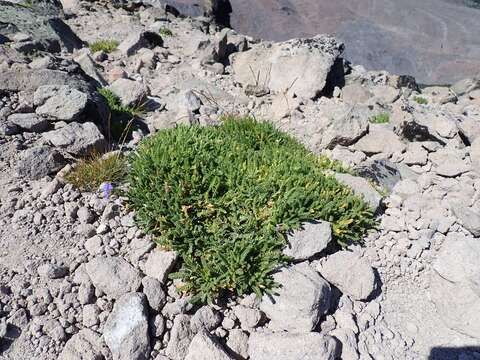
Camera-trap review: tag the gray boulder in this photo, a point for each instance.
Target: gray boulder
(38, 162)
(139, 40)
(113, 276)
(42, 22)
(380, 139)
(180, 337)
(205, 346)
(126, 329)
(455, 284)
(29, 122)
(131, 93)
(156, 297)
(362, 188)
(77, 138)
(61, 103)
(382, 172)
(205, 318)
(309, 240)
(286, 346)
(350, 273)
(85, 345)
(302, 298)
(300, 66)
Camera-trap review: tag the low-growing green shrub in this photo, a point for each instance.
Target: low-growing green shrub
(420, 100)
(91, 172)
(223, 198)
(383, 118)
(104, 45)
(165, 31)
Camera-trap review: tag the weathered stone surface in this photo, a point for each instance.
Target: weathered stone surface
(89, 67)
(77, 138)
(131, 93)
(309, 240)
(465, 86)
(113, 276)
(159, 264)
(356, 93)
(126, 329)
(206, 347)
(85, 345)
(29, 122)
(205, 318)
(42, 22)
(286, 346)
(468, 217)
(349, 272)
(382, 172)
(455, 284)
(300, 301)
(38, 162)
(60, 103)
(380, 139)
(299, 65)
(180, 337)
(139, 40)
(361, 187)
(238, 342)
(156, 297)
(475, 155)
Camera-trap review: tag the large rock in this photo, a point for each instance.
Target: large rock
(469, 218)
(302, 298)
(160, 263)
(131, 93)
(382, 172)
(362, 188)
(286, 346)
(309, 240)
(350, 273)
(38, 162)
(76, 138)
(206, 347)
(85, 345)
(28, 122)
(113, 276)
(61, 103)
(465, 86)
(180, 337)
(455, 284)
(327, 124)
(126, 329)
(300, 66)
(42, 22)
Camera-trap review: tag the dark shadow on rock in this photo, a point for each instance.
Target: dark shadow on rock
(336, 77)
(378, 286)
(13, 332)
(454, 353)
(68, 38)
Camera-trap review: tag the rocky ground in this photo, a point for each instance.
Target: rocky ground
(79, 280)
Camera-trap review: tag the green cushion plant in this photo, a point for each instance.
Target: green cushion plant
(223, 197)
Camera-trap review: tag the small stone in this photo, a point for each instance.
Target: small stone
(52, 271)
(94, 245)
(249, 318)
(156, 297)
(205, 318)
(159, 264)
(205, 346)
(309, 240)
(85, 216)
(180, 337)
(86, 344)
(238, 342)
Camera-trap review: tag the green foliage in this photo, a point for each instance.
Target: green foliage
(104, 45)
(90, 173)
(164, 31)
(121, 115)
(420, 100)
(383, 118)
(223, 198)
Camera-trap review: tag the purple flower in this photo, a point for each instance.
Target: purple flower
(106, 189)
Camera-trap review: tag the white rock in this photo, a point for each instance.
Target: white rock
(126, 329)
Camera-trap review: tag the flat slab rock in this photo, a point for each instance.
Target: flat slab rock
(113, 276)
(300, 301)
(77, 138)
(349, 272)
(159, 264)
(126, 329)
(286, 346)
(61, 103)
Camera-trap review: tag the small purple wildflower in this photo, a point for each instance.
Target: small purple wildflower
(106, 189)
